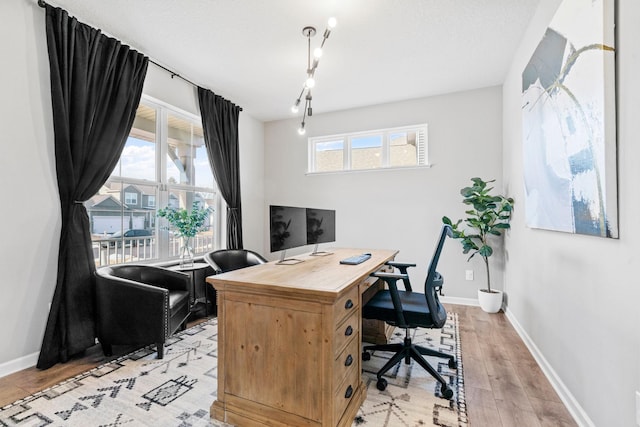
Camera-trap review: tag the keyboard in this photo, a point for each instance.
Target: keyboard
(356, 259)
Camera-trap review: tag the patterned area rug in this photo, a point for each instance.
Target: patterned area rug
(140, 390)
(412, 396)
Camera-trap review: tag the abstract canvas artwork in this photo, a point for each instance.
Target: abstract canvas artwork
(569, 135)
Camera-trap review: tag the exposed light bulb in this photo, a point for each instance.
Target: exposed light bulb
(294, 107)
(311, 82)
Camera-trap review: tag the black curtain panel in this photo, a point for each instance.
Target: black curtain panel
(96, 85)
(220, 124)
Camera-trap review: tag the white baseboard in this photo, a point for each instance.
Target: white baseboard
(15, 365)
(574, 408)
(460, 301)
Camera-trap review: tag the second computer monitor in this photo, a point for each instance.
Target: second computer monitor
(321, 227)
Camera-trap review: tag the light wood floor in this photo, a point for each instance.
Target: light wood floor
(504, 385)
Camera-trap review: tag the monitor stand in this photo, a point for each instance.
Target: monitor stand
(288, 261)
(319, 253)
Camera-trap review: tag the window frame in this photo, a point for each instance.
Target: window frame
(128, 200)
(347, 147)
(162, 186)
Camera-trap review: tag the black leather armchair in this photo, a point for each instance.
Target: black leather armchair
(140, 304)
(407, 309)
(224, 260)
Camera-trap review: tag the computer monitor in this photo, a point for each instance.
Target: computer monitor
(321, 228)
(287, 229)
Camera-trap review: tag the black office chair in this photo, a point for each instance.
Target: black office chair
(224, 260)
(407, 309)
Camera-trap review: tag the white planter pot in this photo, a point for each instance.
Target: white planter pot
(491, 302)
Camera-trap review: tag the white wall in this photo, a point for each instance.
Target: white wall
(31, 214)
(399, 209)
(576, 297)
(31, 218)
(251, 133)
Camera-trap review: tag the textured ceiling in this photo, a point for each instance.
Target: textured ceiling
(253, 53)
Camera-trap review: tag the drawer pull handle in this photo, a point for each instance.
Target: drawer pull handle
(348, 393)
(349, 361)
(348, 304)
(348, 331)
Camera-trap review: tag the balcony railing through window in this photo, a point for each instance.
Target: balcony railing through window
(118, 250)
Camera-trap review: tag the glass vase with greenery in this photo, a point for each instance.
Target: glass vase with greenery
(489, 216)
(186, 225)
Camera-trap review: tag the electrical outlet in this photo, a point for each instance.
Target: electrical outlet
(638, 408)
(468, 274)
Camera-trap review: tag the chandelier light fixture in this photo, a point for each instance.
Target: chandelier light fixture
(310, 82)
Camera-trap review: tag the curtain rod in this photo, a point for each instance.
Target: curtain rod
(43, 4)
(173, 73)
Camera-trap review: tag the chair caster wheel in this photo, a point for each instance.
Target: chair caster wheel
(453, 364)
(447, 393)
(382, 384)
(366, 355)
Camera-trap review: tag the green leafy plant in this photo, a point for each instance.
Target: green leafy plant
(187, 224)
(489, 216)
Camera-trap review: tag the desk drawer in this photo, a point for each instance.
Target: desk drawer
(346, 362)
(344, 394)
(346, 331)
(346, 305)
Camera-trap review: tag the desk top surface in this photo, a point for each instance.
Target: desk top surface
(316, 274)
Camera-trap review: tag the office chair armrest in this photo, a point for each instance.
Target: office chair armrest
(395, 276)
(391, 279)
(400, 265)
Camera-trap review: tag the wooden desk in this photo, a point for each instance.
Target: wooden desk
(289, 341)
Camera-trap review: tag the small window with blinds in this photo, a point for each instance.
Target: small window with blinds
(402, 147)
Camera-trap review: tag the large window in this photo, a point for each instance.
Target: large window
(164, 163)
(380, 149)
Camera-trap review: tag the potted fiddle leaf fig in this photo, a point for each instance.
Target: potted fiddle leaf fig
(488, 216)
